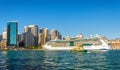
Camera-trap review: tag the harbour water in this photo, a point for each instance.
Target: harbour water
(59, 60)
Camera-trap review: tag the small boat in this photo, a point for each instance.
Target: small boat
(79, 50)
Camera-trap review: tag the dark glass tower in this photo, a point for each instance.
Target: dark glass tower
(12, 31)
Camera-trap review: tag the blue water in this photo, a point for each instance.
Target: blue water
(59, 60)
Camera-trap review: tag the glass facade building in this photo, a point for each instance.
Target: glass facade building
(12, 31)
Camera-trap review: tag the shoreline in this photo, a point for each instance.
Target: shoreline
(40, 49)
(18, 49)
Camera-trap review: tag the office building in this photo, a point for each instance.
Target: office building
(0, 38)
(33, 31)
(12, 31)
(43, 36)
(19, 37)
(41, 30)
(4, 34)
(49, 37)
(54, 34)
(25, 28)
(41, 39)
(28, 39)
(46, 33)
(59, 36)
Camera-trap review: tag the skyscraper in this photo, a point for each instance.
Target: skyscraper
(28, 39)
(0, 38)
(41, 36)
(4, 34)
(49, 37)
(41, 39)
(59, 36)
(54, 34)
(45, 35)
(12, 31)
(25, 28)
(32, 31)
(42, 30)
(19, 37)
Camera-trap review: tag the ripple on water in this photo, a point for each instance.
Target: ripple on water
(63, 60)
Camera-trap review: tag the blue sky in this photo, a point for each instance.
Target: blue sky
(70, 17)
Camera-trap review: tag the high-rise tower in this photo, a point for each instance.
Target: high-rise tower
(12, 31)
(54, 34)
(31, 34)
(4, 34)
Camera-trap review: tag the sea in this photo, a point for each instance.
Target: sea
(59, 60)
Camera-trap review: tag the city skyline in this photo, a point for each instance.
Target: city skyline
(70, 17)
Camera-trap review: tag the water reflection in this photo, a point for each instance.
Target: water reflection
(48, 60)
(3, 65)
(24, 59)
(74, 60)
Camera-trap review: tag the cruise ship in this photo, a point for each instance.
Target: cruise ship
(59, 45)
(87, 44)
(102, 46)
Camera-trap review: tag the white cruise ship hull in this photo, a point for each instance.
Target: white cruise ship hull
(96, 47)
(49, 47)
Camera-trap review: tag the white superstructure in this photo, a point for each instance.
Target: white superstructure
(59, 45)
(103, 46)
